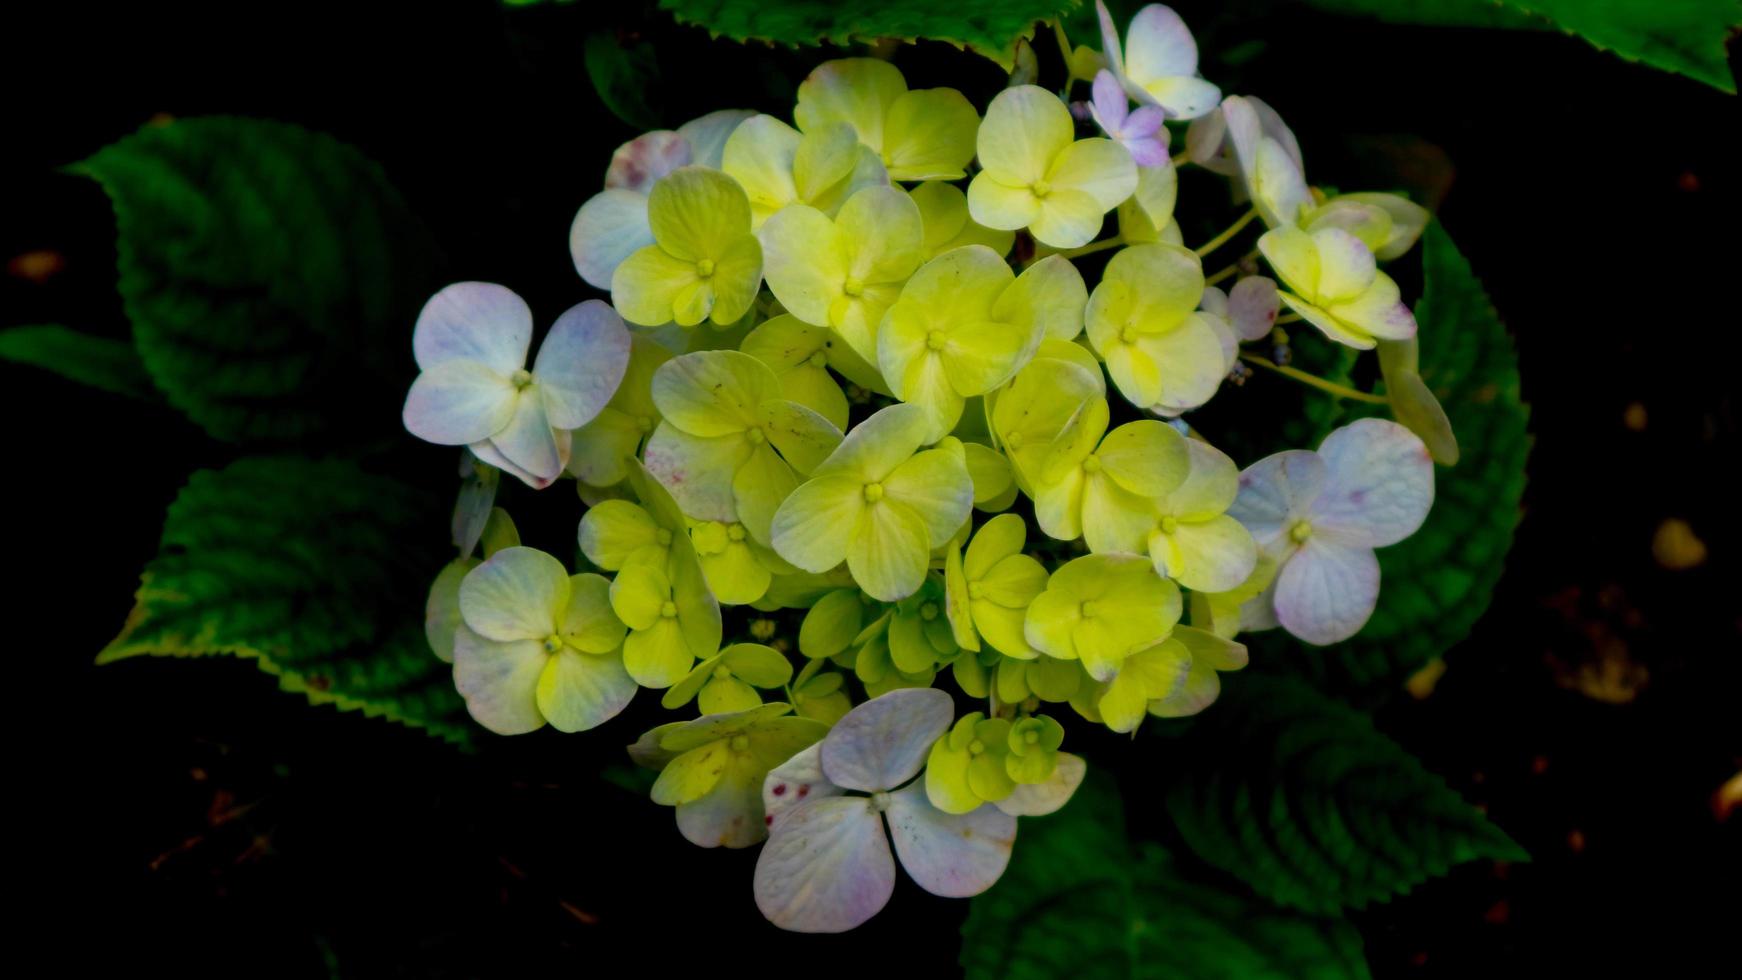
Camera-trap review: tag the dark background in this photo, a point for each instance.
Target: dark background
(189, 817)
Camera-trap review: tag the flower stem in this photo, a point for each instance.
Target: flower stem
(1288, 318)
(1312, 379)
(1232, 269)
(1226, 235)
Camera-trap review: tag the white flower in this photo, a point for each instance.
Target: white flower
(471, 343)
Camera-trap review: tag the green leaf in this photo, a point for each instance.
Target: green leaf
(271, 275)
(1301, 798)
(1682, 36)
(311, 568)
(1437, 583)
(990, 27)
(100, 362)
(1080, 901)
(626, 78)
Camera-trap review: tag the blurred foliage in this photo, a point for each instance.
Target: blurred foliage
(1081, 900)
(626, 76)
(1299, 796)
(101, 362)
(315, 569)
(268, 272)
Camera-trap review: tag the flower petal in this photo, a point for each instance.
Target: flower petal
(1158, 45)
(1276, 492)
(589, 624)
(713, 392)
(1215, 555)
(859, 91)
(929, 135)
(814, 526)
(797, 779)
(1040, 799)
(1001, 206)
(1068, 218)
(759, 155)
(1327, 590)
(1025, 128)
(518, 594)
(697, 213)
(882, 743)
(473, 321)
(890, 549)
(1100, 168)
(1379, 486)
(698, 471)
(826, 866)
(578, 691)
(951, 856)
(730, 814)
(803, 437)
(646, 286)
(805, 261)
(499, 681)
(1146, 457)
(877, 445)
(459, 402)
(581, 363)
(759, 486)
(609, 227)
(1049, 293)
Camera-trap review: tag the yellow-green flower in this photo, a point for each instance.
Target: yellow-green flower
(672, 621)
(1194, 541)
(877, 503)
(801, 355)
(843, 273)
(1154, 673)
(1210, 654)
(989, 588)
(728, 680)
(943, 209)
(1035, 175)
(705, 262)
(1034, 749)
(1032, 411)
(1388, 224)
(1142, 321)
(1101, 609)
(731, 448)
(920, 135)
(712, 769)
(738, 568)
(1334, 284)
(964, 324)
(966, 767)
(1102, 489)
(777, 167)
(538, 646)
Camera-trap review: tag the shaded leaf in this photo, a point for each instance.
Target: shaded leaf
(271, 275)
(990, 27)
(100, 362)
(310, 568)
(1078, 900)
(1301, 798)
(626, 76)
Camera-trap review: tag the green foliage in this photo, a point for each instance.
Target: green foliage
(100, 362)
(1682, 36)
(270, 274)
(1437, 583)
(626, 76)
(1078, 900)
(990, 27)
(317, 570)
(1300, 797)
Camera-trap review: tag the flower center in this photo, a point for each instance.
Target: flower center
(663, 536)
(852, 287)
(976, 747)
(873, 492)
(1129, 335)
(755, 436)
(668, 609)
(819, 359)
(929, 611)
(935, 339)
(644, 423)
(1014, 440)
(1092, 464)
(976, 590)
(739, 743)
(705, 268)
(1031, 738)
(1040, 188)
(521, 378)
(1169, 524)
(879, 801)
(1089, 608)
(553, 643)
(1301, 531)
(722, 673)
(735, 532)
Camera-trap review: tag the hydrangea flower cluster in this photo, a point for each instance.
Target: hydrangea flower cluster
(854, 419)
